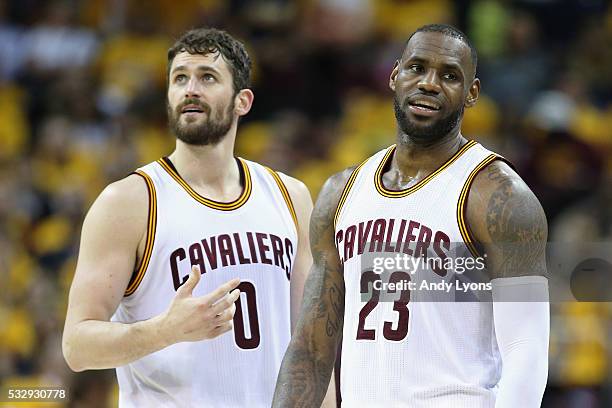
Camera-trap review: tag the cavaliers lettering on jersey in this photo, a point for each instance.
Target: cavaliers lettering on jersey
(413, 350)
(253, 238)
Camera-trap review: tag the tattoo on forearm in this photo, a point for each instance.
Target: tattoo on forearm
(304, 376)
(306, 369)
(335, 316)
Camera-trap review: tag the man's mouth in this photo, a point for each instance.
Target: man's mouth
(192, 109)
(423, 107)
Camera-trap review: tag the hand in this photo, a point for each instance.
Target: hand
(192, 318)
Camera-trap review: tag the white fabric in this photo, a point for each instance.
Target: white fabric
(213, 373)
(522, 325)
(449, 357)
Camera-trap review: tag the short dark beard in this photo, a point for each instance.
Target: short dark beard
(211, 132)
(425, 135)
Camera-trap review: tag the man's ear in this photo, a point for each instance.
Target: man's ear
(243, 101)
(393, 76)
(473, 93)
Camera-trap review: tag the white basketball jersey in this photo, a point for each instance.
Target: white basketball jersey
(418, 349)
(253, 238)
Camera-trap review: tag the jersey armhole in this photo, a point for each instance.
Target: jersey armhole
(468, 237)
(140, 271)
(286, 196)
(345, 192)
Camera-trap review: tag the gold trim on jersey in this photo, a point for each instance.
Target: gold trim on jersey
(217, 205)
(151, 226)
(345, 192)
(461, 207)
(403, 193)
(286, 195)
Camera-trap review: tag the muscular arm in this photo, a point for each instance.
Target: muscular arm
(112, 232)
(307, 366)
(300, 196)
(514, 230)
(514, 234)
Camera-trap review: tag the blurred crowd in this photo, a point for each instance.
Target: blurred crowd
(82, 104)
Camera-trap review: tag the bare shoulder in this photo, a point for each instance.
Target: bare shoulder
(330, 194)
(336, 182)
(123, 204)
(132, 187)
(297, 189)
(512, 211)
(322, 219)
(506, 216)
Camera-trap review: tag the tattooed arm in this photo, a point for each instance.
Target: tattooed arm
(514, 230)
(309, 360)
(513, 234)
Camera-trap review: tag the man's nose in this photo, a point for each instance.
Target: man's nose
(429, 82)
(193, 89)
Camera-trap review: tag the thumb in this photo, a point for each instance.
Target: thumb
(186, 288)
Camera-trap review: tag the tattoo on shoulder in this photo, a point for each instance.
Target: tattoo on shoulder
(516, 224)
(321, 221)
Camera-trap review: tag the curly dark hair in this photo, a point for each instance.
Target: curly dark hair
(211, 40)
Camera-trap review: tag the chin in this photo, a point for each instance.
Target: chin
(187, 123)
(190, 126)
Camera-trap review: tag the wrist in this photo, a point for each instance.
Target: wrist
(160, 331)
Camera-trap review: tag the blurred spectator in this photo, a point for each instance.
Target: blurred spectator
(513, 78)
(11, 49)
(55, 43)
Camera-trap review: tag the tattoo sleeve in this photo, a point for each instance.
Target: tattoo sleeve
(515, 224)
(307, 366)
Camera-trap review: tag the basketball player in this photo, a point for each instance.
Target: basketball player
(431, 189)
(187, 247)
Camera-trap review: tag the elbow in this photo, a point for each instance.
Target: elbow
(70, 356)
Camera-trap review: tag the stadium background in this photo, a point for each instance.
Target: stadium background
(82, 103)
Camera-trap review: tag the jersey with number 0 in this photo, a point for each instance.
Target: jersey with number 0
(417, 348)
(253, 238)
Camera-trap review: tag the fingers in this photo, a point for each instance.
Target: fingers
(222, 328)
(226, 302)
(226, 315)
(186, 288)
(222, 291)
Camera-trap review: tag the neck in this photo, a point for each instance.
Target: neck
(207, 166)
(413, 156)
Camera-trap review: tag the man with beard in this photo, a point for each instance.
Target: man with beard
(190, 246)
(434, 194)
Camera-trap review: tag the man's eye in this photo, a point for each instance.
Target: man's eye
(450, 76)
(208, 78)
(416, 68)
(180, 78)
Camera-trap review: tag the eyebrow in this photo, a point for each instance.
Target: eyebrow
(449, 65)
(199, 68)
